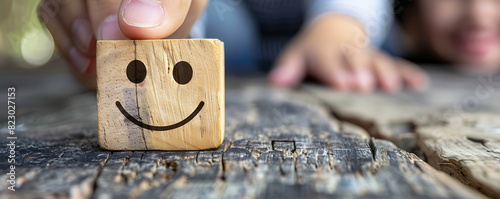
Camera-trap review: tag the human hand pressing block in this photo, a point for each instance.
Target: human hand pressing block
(76, 26)
(160, 94)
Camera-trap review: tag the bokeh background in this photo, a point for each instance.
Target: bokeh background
(24, 41)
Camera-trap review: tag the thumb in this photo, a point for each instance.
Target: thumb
(152, 19)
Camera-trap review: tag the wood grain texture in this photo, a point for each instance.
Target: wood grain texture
(452, 124)
(160, 98)
(383, 116)
(278, 144)
(392, 116)
(465, 147)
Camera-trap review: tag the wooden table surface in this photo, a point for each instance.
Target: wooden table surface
(302, 143)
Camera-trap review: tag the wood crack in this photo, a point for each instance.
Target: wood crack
(307, 154)
(98, 174)
(137, 101)
(373, 148)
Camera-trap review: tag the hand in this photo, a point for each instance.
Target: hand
(75, 25)
(334, 50)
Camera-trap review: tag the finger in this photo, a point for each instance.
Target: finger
(386, 73)
(74, 19)
(47, 12)
(63, 42)
(103, 16)
(194, 12)
(362, 75)
(290, 70)
(327, 66)
(152, 19)
(412, 75)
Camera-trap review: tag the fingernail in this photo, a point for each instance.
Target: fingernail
(109, 29)
(82, 34)
(143, 13)
(78, 60)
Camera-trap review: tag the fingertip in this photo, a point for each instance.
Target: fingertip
(419, 82)
(82, 34)
(364, 81)
(78, 60)
(110, 30)
(339, 80)
(390, 84)
(387, 73)
(289, 70)
(414, 77)
(151, 19)
(284, 76)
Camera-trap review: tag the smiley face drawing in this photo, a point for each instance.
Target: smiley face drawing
(160, 94)
(182, 73)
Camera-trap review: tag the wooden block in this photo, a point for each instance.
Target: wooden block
(160, 94)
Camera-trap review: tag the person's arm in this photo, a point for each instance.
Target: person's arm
(375, 15)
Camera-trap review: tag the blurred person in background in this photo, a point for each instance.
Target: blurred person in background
(333, 41)
(464, 34)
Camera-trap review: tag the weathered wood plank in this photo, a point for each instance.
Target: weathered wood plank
(382, 116)
(278, 144)
(451, 140)
(466, 147)
(391, 116)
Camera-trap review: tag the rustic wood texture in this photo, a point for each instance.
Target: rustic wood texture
(383, 116)
(278, 145)
(452, 124)
(172, 89)
(466, 147)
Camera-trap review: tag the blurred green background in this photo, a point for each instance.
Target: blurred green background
(24, 41)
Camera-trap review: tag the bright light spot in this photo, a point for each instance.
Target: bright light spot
(37, 47)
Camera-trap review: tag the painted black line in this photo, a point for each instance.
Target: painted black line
(159, 128)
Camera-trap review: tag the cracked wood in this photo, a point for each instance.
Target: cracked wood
(453, 125)
(278, 143)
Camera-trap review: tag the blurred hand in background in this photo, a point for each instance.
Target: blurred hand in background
(335, 51)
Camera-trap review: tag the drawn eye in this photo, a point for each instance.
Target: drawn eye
(183, 72)
(136, 71)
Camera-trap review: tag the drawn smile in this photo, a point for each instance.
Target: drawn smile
(160, 128)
